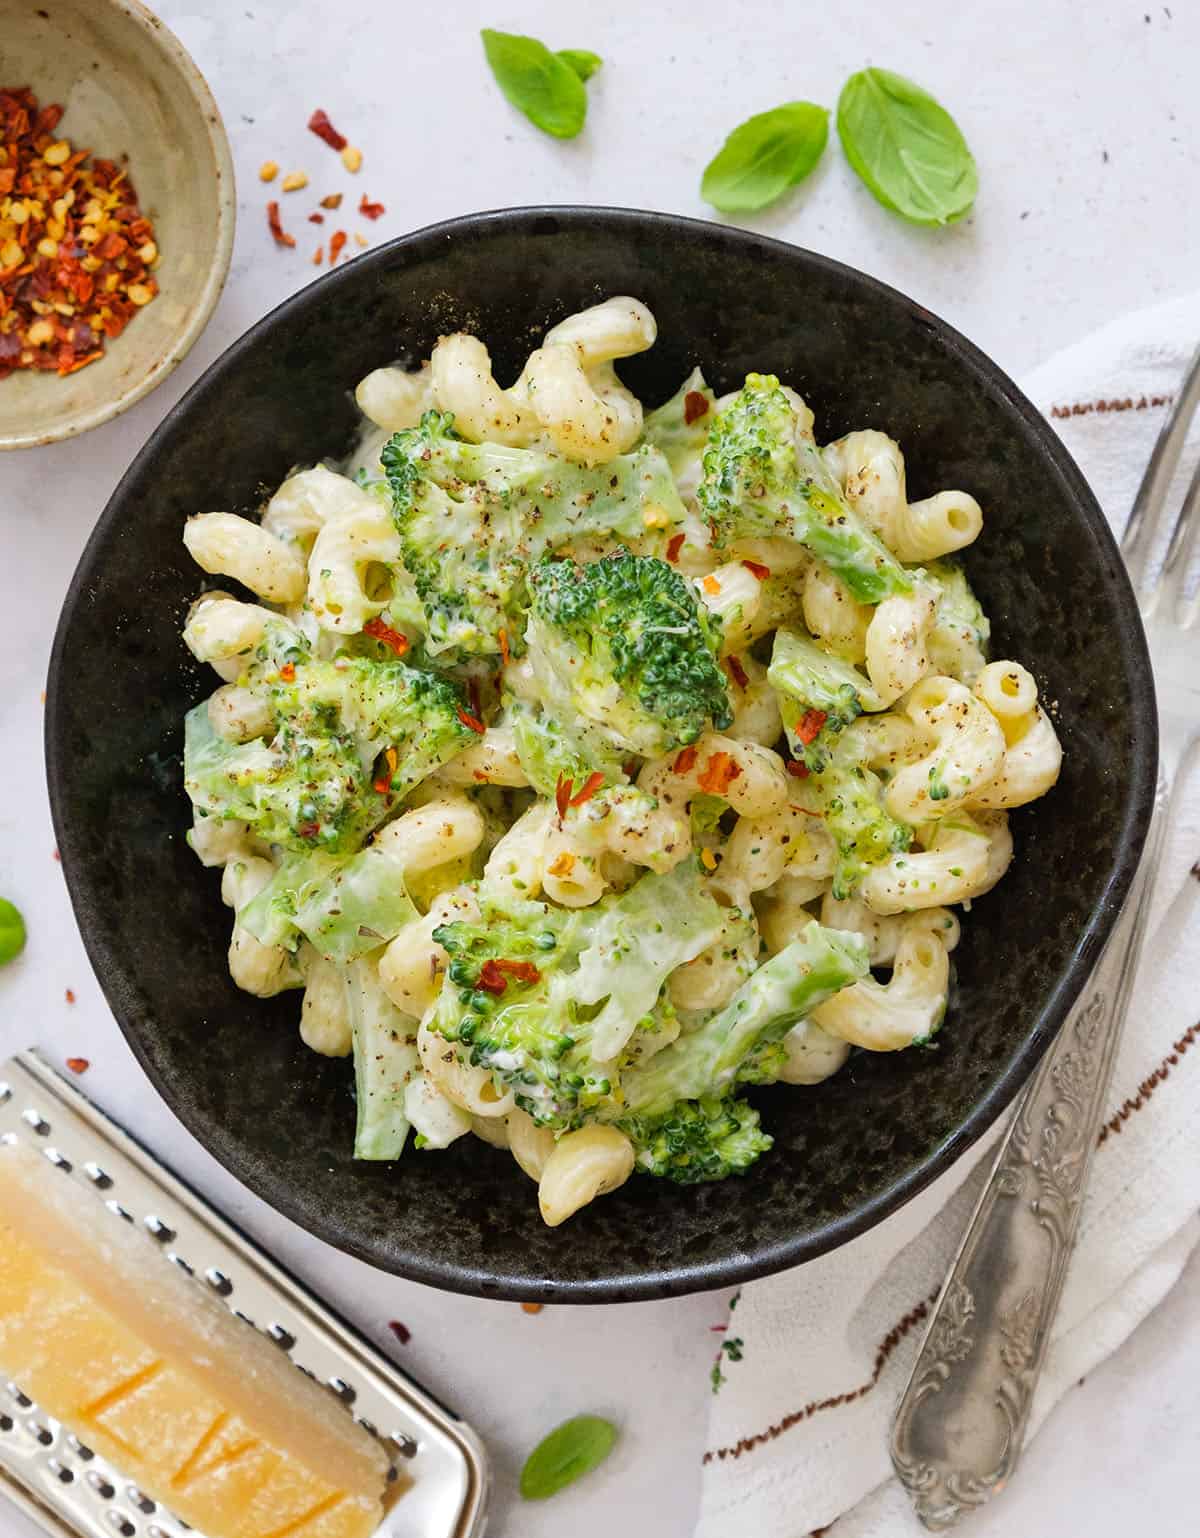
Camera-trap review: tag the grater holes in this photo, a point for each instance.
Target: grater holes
(343, 1390)
(60, 1471)
(219, 1282)
(80, 1449)
(405, 1445)
(120, 1523)
(118, 1211)
(34, 1118)
(281, 1337)
(367, 1425)
(41, 1434)
(5, 1091)
(59, 1160)
(140, 1499)
(159, 1230)
(100, 1485)
(6, 1422)
(237, 1313)
(180, 1262)
(23, 1400)
(96, 1175)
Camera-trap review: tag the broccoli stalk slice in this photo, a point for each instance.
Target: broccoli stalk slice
(385, 1060)
(764, 476)
(474, 517)
(679, 427)
(783, 990)
(820, 695)
(624, 645)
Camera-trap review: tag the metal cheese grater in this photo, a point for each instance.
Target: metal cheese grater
(440, 1468)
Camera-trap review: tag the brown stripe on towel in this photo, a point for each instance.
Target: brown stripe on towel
(1087, 408)
(1149, 1084)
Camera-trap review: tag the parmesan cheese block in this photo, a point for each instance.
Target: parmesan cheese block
(150, 1369)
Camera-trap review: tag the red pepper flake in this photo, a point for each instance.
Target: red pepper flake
(370, 210)
(711, 585)
(473, 722)
(760, 571)
(523, 971)
(686, 761)
(401, 1331)
(505, 655)
(56, 857)
(491, 978)
(332, 200)
(309, 829)
(316, 218)
(384, 783)
(532, 1308)
(378, 630)
(78, 1064)
(795, 768)
(737, 672)
(336, 241)
(562, 796)
(590, 786)
(282, 238)
(695, 406)
(674, 546)
(288, 672)
(70, 995)
(719, 774)
(320, 125)
(810, 726)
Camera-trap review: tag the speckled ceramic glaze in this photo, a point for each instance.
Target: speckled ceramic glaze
(130, 92)
(847, 1152)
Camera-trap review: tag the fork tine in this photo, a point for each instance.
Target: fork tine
(1171, 597)
(1151, 499)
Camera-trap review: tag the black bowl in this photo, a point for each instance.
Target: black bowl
(846, 1153)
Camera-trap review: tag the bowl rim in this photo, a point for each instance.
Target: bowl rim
(177, 347)
(762, 1261)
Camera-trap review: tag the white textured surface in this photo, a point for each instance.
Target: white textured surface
(1045, 91)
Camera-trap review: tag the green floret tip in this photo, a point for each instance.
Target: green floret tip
(474, 518)
(699, 1140)
(624, 643)
(850, 798)
(764, 477)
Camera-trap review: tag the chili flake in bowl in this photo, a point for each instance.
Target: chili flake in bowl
(116, 213)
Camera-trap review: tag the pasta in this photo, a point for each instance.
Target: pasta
(580, 765)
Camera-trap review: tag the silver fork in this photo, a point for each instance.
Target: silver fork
(961, 1421)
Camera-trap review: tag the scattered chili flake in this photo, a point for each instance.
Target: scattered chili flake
(810, 726)
(320, 125)
(368, 209)
(361, 241)
(711, 584)
(336, 241)
(708, 859)
(78, 1064)
(352, 159)
(523, 971)
(401, 1331)
(505, 655)
(70, 995)
(282, 238)
(288, 672)
(384, 783)
(590, 786)
(309, 829)
(760, 571)
(316, 218)
(737, 672)
(318, 256)
(473, 722)
(55, 856)
(562, 796)
(394, 640)
(332, 200)
(686, 761)
(562, 864)
(491, 978)
(294, 181)
(795, 768)
(268, 171)
(532, 1308)
(695, 406)
(674, 546)
(719, 774)
(75, 248)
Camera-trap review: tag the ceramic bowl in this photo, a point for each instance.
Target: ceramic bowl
(130, 92)
(847, 1152)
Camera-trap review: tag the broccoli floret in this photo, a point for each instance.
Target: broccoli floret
(764, 476)
(849, 796)
(474, 517)
(820, 695)
(547, 998)
(551, 753)
(696, 1140)
(624, 644)
(350, 738)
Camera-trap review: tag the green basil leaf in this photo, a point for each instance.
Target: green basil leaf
(537, 82)
(583, 61)
(571, 1450)
(765, 156)
(906, 147)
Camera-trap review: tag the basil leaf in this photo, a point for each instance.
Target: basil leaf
(571, 1450)
(537, 82)
(583, 61)
(765, 156)
(906, 147)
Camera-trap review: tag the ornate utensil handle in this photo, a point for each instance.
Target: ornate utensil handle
(960, 1424)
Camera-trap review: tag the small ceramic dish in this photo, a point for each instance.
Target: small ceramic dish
(131, 93)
